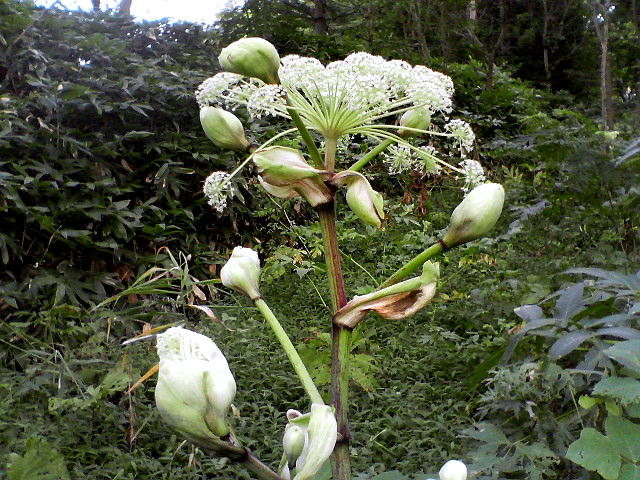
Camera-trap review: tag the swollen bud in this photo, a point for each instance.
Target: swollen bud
(453, 470)
(242, 272)
(252, 57)
(476, 215)
(284, 172)
(223, 128)
(195, 386)
(419, 118)
(363, 200)
(293, 442)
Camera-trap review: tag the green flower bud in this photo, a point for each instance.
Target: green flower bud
(195, 386)
(322, 434)
(293, 442)
(363, 200)
(453, 470)
(223, 128)
(242, 272)
(419, 118)
(284, 172)
(252, 57)
(476, 215)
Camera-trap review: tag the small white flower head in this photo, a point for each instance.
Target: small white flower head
(242, 272)
(401, 158)
(462, 133)
(453, 470)
(195, 386)
(476, 215)
(319, 431)
(473, 174)
(213, 90)
(218, 189)
(252, 57)
(269, 100)
(223, 128)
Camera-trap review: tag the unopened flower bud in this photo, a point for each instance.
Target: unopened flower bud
(195, 386)
(363, 200)
(252, 57)
(223, 128)
(453, 470)
(293, 442)
(242, 272)
(284, 171)
(476, 215)
(322, 434)
(419, 118)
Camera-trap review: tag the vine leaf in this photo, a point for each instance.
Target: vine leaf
(595, 452)
(625, 436)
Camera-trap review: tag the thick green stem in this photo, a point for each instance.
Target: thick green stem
(259, 469)
(382, 146)
(330, 145)
(341, 342)
(291, 352)
(306, 137)
(412, 265)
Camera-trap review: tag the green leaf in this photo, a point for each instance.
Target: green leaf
(629, 472)
(625, 389)
(625, 436)
(595, 452)
(40, 462)
(585, 401)
(627, 353)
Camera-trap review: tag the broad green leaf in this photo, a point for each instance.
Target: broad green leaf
(624, 389)
(595, 452)
(629, 472)
(627, 353)
(585, 401)
(625, 437)
(40, 462)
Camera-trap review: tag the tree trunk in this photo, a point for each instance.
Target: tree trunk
(418, 31)
(602, 21)
(125, 7)
(545, 39)
(320, 17)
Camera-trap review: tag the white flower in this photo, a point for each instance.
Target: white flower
(267, 100)
(217, 188)
(401, 159)
(195, 386)
(213, 89)
(453, 470)
(473, 174)
(462, 133)
(242, 272)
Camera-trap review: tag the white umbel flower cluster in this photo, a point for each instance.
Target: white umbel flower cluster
(473, 174)
(462, 133)
(402, 159)
(218, 189)
(338, 98)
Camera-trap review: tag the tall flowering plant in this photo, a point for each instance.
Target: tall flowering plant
(395, 105)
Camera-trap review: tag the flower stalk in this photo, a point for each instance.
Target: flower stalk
(290, 350)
